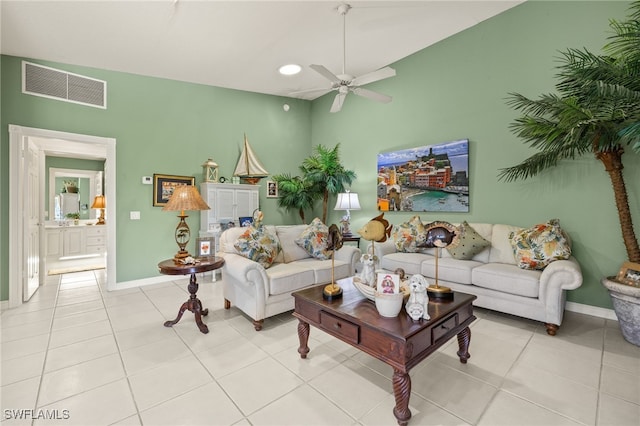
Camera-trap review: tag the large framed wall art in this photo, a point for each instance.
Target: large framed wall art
(430, 178)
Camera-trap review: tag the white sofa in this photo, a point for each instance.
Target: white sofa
(261, 293)
(494, 277)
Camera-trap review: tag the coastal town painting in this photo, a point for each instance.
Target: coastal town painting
(430, 178)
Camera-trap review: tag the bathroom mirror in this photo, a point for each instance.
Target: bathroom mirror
(62, 201)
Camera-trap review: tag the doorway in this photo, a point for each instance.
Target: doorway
(22, 193)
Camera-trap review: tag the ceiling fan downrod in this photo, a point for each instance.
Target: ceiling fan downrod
(342, 10)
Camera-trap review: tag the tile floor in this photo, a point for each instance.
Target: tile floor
(85, 356)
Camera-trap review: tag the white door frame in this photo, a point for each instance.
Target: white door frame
(87, 143)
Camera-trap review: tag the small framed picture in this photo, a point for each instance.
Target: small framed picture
(163, 186)
(272, 189)
(245, 221)
(388, 283)
(205, 246)
(629, 274)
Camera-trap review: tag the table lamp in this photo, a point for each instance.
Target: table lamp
(99, 203)
(184, 197)
(347, 201)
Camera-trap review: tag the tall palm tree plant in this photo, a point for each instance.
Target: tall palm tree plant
(596, 111)
(325, 170)
(296, 193)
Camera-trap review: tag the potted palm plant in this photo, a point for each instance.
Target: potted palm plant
(596, 111)
(322, 174)
(296, 193)
(325, 170)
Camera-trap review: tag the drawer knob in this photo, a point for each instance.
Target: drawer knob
(337, 325)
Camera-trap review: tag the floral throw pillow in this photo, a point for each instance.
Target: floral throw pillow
(408, 235)
(314, 240)
(538, 246)
(469, 244)
(258, 244)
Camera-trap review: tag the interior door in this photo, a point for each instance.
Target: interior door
(32, 224)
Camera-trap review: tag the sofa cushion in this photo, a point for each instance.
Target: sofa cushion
(287, 235)
(501, 250)
(507, 279)
(410, 262)
(289, 277)
(407, 235)
(453, 270)
(314, 240)
(536, 247)
(322, 269)
(258, 244)
(470, 243)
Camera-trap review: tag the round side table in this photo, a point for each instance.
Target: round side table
(205, 264)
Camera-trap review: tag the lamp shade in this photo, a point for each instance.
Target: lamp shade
(98, 202)
(185, 197)
(347, 201)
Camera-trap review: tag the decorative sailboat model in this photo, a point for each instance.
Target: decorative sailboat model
(249, 168)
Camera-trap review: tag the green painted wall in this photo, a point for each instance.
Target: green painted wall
(452, 90)
(161, 126)
(456, 89)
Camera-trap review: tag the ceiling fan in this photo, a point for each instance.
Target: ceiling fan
(345, 83)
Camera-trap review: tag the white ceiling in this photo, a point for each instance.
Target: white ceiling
(233, 44)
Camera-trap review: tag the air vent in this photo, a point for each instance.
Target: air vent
(51, 83)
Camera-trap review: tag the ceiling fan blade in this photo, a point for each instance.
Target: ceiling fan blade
(380, 74)
(370, 94)
(337, 102)
(325, 73)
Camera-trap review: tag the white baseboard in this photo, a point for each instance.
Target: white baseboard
(594, 311)
(147, 281)
(4, 304)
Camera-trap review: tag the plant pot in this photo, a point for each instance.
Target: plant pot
(626, 304)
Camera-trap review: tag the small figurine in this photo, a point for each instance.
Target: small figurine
(368, 275)
(418, 299)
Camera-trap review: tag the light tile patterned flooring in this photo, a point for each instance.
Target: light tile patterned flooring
(104, 358)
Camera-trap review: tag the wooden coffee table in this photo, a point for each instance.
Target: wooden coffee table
(400, 342)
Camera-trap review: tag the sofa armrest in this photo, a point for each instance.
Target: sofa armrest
(557, 277)
(561, 275)
(350, 255)
(238, 270)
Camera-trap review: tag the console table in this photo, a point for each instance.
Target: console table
(399, 342)
(205, 264)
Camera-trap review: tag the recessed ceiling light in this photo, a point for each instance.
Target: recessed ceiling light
(290, 69)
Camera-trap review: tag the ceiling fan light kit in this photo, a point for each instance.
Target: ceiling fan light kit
(345, 83)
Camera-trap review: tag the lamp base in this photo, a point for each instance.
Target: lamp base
(180, 256)
(101, 219)
(332, 292)
(439, 292)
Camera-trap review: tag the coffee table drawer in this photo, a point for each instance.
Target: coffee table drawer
(441, 329)
(340, 328)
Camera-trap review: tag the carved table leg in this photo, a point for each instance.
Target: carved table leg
(303, 336)
(464, 338)
(402, 392)
(193, 305)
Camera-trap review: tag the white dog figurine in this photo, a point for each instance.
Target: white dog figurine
(368, 275)
(417, 305)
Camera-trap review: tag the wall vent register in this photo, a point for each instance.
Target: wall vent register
(51, 83)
